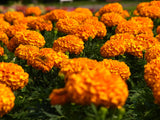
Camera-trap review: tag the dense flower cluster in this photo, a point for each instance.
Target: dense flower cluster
(4, 38)
(11, 16)
(70, 43)
(112, 19)
(117, 67)
(92, 86)
(33, 11)
(66, 25)
(152, 53)
(24, 52)
(26, 37)
(13, 75)
(7, 99)
(40, 24)
(4, 25)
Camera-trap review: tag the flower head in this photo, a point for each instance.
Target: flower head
(1, 51)
(4, 25)
(86, 11)
(7, 99)
(33, 11)
(13, 75)
(70, 43)
(4, 38)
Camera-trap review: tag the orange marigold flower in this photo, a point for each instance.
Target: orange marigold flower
(99, 87)
(45, 59)
(146, 30)
(70, 43)
(24, 20)
(125, 14)
(100, 26)
(11, 31)
(111, 7)
(97, 14)
(156, 90)
(26, 37)
(112, 19)
(113, 48)
(117, 67)
(144, 21)
(154, 3)
(40, 24)
(150, 11)
(66, 25)
(76, 65)
(146, 41)
(85, 31)
(1, 51)
(13, 75)
(142, 4)
(56, 14)
(26, 51)
(136, 13)
(4, 25)
(4, 38)
(7, 99)
(33, 11)
(11, 16)
(86, 11)
(158, 29)
(152, 72)
(2, 16)
(152, 53)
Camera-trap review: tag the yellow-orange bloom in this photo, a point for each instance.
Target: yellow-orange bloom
(11, 16)
(2, 16)
(158, 37)
(26, 37)
(111, 7)
(11, 31)
(125, 14)
(99, 87)
(33, 11)
(135, 12)
(70, 43)
(144, 21)
(13, 75)
(4, 38)
(158, 29)
(152, 72)
(66, 25)
(117, 67)
(112, 19)
(154, 3)
(86, 11)
(152, 53)
(1, 51)
(4, 25)
(85, 31)
(40, 24)
(7, 99)
(46, 59)
(155, 91)
(26, 51)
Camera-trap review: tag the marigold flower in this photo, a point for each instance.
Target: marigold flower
(125, 14)
(142, 4)
(1, 51)
(70, 43)
(66, 25)
(7, 99)
(24, 20)
(11, 16)
(113, 48)
(146, 30)
(4, 38)
(144, 21)
(152, 53)
(4, 25)
(26, 37)
(45, 59)
(33, 11)
(40, 24)
(111, 7)
(155, 91)
(11, 31)
(158, 29)
(99, 26)
(2, 16)
(76, 65)
(112, 19)
(152, 72)
(150, 11)
(135, 12)
(154, 3)
(99, 87)
(84, 10)
(117, 67)
(26, 51)
(85, 31)
(13, 75)
(56, 14)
